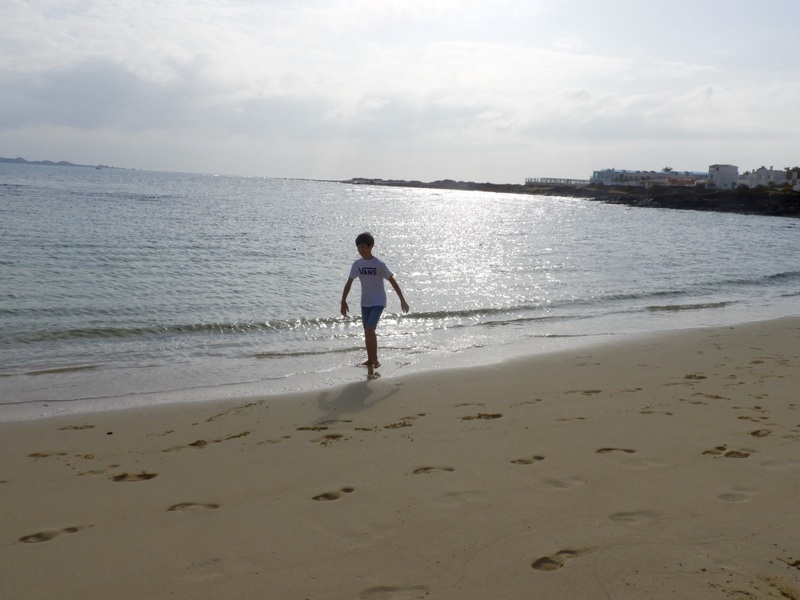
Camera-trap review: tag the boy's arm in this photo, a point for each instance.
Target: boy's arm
(403, 303)
(344, 309)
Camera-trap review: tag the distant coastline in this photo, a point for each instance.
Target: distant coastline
(51, 163)
(751, 201)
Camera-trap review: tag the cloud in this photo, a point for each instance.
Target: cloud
(434, 86)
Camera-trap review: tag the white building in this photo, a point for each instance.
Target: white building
(624, 177)
(723, 177)
(763, 176)
(793, 178)
(646, 178)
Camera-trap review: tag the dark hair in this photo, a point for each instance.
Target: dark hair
(365, 238)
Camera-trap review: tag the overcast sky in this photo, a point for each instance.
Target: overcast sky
(473, 90)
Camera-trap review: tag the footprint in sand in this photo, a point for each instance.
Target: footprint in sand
(75, 427)
(606, 450)
(237, 409)
(202, 443)
(527, 461)
(694, 402)
(272, 442)
(710, 396)
(133, 476)
(695, 376)
(526, 402)
(327, 439)
(426, 470)
(399, 424)
(192, 505)
(46, 454)
(46, 536)
(567, 483)
(736, 454)
(760, 433)
(753, 419)
(92, 472)
(333, 495)
(556, 561)
(482, 416)
(723, 451)
(737, 494)
(404, 422)
(388, 592)
(635, 516)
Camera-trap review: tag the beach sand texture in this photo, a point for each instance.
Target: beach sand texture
(659, 467)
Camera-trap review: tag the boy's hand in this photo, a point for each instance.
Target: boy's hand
(404, 306)
(345, 309)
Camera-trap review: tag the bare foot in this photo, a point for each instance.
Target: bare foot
(366, 363)
(372, 373)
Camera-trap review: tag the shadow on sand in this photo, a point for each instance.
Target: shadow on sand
(353, 398)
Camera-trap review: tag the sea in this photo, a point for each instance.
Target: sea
(123, 288)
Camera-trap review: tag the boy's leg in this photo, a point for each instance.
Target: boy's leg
(371, 340)
(370, 316)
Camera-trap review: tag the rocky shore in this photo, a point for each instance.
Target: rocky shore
(754, 201)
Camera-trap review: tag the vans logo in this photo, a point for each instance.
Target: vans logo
(368, 270)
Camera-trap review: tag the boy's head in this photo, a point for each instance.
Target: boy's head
(366, 239)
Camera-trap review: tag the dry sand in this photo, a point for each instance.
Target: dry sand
(662, 467)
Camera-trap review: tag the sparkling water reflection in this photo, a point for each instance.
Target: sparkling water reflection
(124, 282)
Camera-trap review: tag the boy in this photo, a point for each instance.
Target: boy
(371, 271)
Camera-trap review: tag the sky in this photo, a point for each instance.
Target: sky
(472, 90)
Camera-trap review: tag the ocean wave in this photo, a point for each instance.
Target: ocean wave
(304, 353)
(781, 277)
(775, 278)
(166, 330)
(61, 370)
(481, 316)
(697, 306)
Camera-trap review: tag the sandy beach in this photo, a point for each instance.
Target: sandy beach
(660, 467)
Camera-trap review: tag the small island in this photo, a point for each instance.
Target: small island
(50, 163)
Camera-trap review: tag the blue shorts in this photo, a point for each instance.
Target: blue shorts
(370, 316)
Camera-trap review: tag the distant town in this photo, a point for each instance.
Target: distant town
(762, 191)
(720, 177)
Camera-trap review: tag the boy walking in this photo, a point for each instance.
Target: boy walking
(371, 271)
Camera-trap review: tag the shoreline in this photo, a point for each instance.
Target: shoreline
(661, 466)
(335, 376)
(306, 383)
(747, 201)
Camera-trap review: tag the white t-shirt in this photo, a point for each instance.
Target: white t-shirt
(371, 274)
